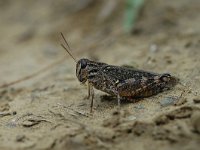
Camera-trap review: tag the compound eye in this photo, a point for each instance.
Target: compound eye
(83, 64)
(165, 77)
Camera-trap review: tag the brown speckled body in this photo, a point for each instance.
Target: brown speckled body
(122, 81)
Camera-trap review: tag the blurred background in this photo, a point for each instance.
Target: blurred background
(36, 73)
(30, 30)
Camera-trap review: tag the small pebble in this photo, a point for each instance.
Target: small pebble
(139, 107)
(130, 118)
(153, 48)
(168, 101)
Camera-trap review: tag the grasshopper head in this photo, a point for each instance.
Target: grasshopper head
(81, 65)
(81, 70)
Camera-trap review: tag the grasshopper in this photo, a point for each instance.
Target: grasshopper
(119, 81)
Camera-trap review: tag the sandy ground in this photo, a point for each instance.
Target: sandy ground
(49, 111)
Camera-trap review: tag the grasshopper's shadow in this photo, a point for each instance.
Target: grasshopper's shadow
(124, 100)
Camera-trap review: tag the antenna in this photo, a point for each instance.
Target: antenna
(68, 50)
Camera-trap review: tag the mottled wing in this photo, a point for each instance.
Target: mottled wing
(127, 81)
(134, 83)
(124, 73)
